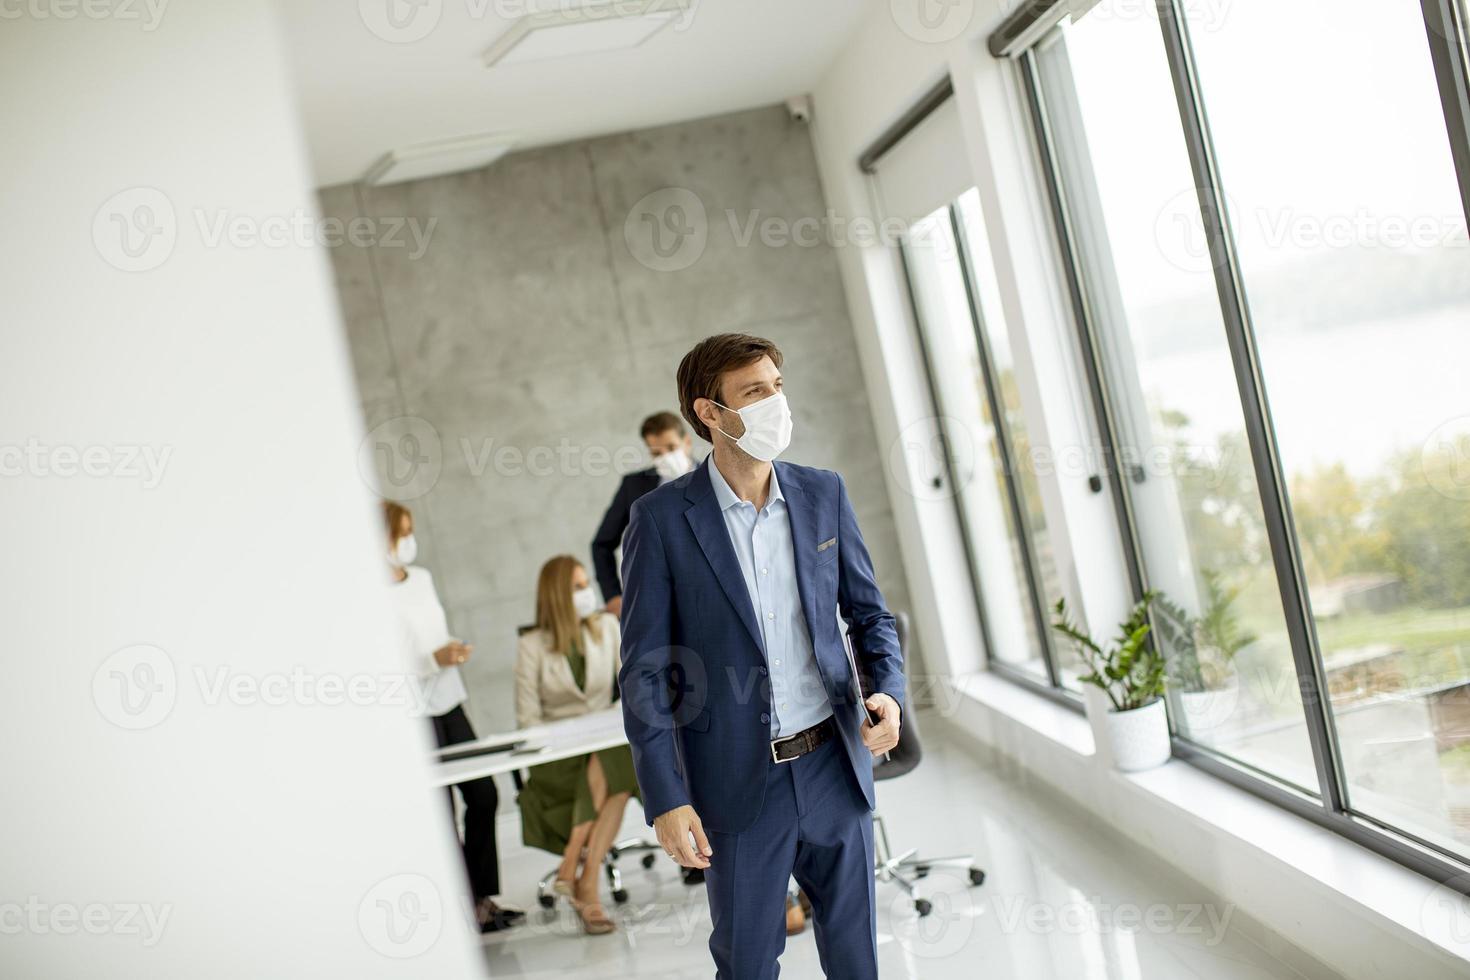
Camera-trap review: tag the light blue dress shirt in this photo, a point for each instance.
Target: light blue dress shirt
(763, 546)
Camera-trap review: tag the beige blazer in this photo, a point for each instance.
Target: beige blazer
(545, 688)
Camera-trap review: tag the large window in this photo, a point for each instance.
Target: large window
(1342, 194)
(1261, 209)
(983, 432)
(1180, 431)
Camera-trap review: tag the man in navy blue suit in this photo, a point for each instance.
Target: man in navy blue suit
(753, 749)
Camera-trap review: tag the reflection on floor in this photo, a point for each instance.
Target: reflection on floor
(1062, 900)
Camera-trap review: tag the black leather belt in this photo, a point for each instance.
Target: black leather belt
(795, 746)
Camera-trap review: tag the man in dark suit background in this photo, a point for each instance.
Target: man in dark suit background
(670, 446)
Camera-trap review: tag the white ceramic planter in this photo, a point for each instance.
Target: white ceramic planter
(1139, 739)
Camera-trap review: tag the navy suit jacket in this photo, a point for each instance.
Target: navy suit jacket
(614, 523)
(695, 689)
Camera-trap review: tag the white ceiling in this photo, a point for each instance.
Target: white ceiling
(362, 95)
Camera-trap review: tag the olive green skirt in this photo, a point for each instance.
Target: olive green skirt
(557, 798)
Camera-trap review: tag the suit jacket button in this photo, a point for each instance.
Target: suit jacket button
(764, 672)
(765, 718)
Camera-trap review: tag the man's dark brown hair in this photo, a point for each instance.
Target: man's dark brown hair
(660, 422)
(699, 372)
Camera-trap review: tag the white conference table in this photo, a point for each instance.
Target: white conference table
(550, 742)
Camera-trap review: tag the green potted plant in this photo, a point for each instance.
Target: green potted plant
(1130, 672)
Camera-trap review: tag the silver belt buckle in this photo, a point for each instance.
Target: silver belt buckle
(777, 741)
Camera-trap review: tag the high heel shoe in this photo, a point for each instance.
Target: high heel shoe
(595, 920)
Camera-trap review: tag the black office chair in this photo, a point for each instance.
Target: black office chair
(545, 895)
(907, 869)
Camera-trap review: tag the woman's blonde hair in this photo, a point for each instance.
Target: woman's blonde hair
(394, 516)
(554, 610)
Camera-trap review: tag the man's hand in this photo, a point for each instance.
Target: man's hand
(674, 829)
(615, 605)
(452, 653)
(882, 737)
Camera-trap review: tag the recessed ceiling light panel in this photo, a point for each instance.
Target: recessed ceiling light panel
(610, 25)
(437, 159)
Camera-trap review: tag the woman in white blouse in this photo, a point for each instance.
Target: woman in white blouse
(423, 637)
(567, 665)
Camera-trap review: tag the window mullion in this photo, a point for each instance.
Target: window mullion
(1445, 22)
(1019, 513)
(987, 636)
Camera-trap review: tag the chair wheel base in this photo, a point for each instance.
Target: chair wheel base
(977, 877)
(620, 895)
(648, 860)
(923, 906)
(547, 901)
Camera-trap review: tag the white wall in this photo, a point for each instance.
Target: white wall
(893, 58)
(147, 831)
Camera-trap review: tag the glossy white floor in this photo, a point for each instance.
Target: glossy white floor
(1061, 900)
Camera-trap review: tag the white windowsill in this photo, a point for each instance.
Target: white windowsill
(1308, 858)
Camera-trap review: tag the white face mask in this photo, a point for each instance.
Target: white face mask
(672, 465)
(584, 601)
(405, 553)
(767, 427)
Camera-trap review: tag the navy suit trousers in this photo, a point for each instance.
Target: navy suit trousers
(815, 825)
